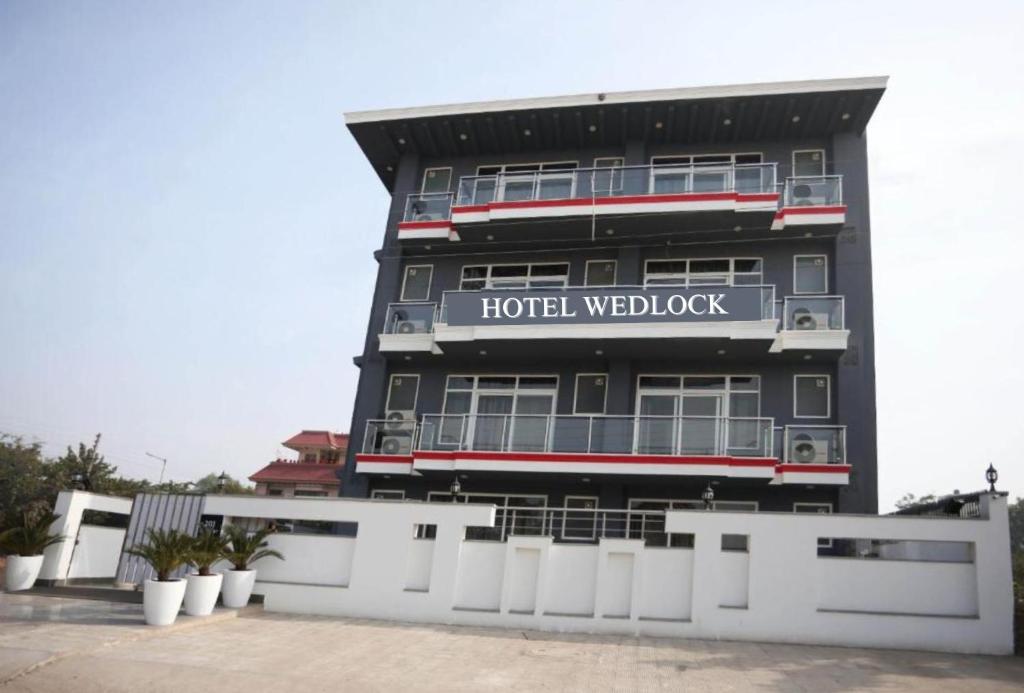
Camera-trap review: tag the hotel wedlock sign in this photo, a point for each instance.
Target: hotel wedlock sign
(603, 305)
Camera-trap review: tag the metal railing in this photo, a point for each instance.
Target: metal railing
(428, 207)
(814, 313)
(768, 302)
(410, 318)
(813, 191)
(389, 436)
(581, 183)
(578, 525)
(805, 444)
(623, 435)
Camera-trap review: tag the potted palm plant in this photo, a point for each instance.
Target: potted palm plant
(166, 551)
(204, 586)
(245, 549)
(24, 547)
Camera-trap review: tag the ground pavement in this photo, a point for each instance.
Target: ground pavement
(52, 644)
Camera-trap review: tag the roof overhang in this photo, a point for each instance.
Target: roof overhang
(713, 115)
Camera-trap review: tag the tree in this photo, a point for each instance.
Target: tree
(910, 499)
(21, 480)
(211, 484)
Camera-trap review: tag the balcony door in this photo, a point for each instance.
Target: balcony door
(701, 426)
(501, 412)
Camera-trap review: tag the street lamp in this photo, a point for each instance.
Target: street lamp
(455, 488)
(707, 496)
(991, 476)
(78, 481)
(222, 481)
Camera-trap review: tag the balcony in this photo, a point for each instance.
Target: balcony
(730, 447)
(409, 327)
(811, 201)
(593, 192)
(812, 322)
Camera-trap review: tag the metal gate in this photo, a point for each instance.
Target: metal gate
(180, 511)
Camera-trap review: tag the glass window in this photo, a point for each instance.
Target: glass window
(510, 271)
(382, 494)
(416, 285)
(704, 272)
(811, 396)
(704, 383)
(436, 180)
(810, 274)
(590, 393)
(809, 162)
(656, 381)
(600, 273)
(402, 393)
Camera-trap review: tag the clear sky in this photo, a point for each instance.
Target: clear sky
(186, 226)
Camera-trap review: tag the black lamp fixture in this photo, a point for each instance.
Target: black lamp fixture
(991, 476)
(707, 496)
(455, 488)
(222, 481)
(78, 481)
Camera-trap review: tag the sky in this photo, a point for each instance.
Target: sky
(187, 228)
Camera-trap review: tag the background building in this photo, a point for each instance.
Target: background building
(544, 328)
(314, 473)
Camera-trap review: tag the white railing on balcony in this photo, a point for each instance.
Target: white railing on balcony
(623, 435)
(806, 444)
(813, 191)
(580, 183)
(428, 207)
(410, 318)
(809, 313)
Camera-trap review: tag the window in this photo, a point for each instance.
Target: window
(309, 493)
(507, 412)
(402, 392)
(698, 159)
(388, 494)
(525, 276)
(591, 391)
(810, 274)
(704, 272)
(609, 162)
(809, 162)
(600, 273)
(820, 509)
(541, 181)
(812, 396)
(436, 180)
(736, 542)
(416, 284)
(516, 514)
(698, 173)
(275, 491)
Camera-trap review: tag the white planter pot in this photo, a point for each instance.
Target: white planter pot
(161, 601)
(22, 572)
(237, 588)
(201, 594)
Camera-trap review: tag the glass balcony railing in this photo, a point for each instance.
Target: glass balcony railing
(813, 313)
(815, 444)
(410, 318)
(389, 436)
(813, 191)
(621, 435)
(582, 183)
(428, 207)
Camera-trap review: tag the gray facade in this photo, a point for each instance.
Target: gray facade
(834, 119)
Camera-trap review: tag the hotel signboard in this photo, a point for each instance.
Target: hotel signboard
(604, 305)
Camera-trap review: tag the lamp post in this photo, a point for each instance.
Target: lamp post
(455, 488)
(78, 481)
(222, 481)
(707, 496)
(991, 476)
(163, 465)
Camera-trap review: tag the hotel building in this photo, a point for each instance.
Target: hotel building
(623, 301)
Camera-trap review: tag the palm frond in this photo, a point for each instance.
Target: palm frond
(165, 550)
(247, 548)
(32, 537)
(207, 548)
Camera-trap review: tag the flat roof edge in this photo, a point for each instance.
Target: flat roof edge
(622, 97)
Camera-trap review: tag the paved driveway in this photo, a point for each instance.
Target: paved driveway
(49, 644)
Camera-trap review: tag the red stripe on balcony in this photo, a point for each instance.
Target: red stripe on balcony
(365, 457)
(721, 460)
(420, 225)
(840, 209)
(815, 468)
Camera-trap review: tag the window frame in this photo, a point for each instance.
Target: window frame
(681, 391)
(529, 269)
(828, 396)
(405, 279)
(823, 256)
(415, 399)
(576, 392)
(615, 272)
(792, 162)
(475, 390)
(687, 281)
(423, 180)
(827, 544)
(399, 491)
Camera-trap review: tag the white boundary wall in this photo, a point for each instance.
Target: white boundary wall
(94, 548)
(779, 591)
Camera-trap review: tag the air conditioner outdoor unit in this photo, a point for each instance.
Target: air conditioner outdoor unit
(411, 326)
(806, 450)
(396, 445)
(400, 420)
(427, 216)
(806, 320)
